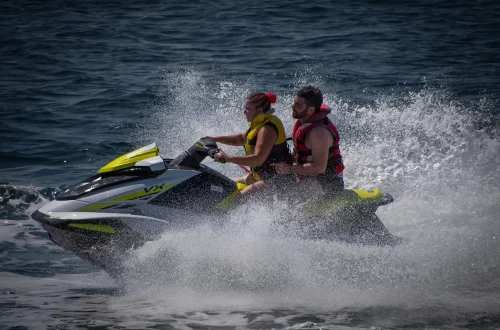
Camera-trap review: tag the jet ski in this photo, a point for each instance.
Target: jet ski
(140, 195)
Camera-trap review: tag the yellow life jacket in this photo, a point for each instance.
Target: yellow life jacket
(279, 152)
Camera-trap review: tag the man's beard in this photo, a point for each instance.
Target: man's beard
(299, 115)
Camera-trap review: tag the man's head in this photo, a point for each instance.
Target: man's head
(307, 101)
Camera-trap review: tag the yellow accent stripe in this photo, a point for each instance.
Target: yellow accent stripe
(142, 193)
(369, 194)
(240, 186)
(94, 227)
(129, 160)
(359, 197)
(135, 195)
(95, 207)
(228, 202)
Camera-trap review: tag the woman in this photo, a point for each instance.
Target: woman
(264, 142)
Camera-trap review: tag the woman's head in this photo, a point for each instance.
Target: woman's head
(257, 103)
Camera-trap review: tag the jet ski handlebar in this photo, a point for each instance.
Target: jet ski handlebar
(197, 153)
(215, 149)
(212, 153)
(212, 148)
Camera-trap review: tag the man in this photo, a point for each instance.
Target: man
(316, 144)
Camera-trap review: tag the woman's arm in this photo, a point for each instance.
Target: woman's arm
(266, 138)
(231, 140)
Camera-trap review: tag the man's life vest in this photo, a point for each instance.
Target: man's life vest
(303, 154)
(279, 152)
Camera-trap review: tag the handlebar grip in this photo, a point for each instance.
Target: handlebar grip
(212, 152)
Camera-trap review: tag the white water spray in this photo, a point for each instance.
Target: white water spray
(422, 148)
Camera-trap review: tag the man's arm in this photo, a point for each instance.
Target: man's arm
(319, 140)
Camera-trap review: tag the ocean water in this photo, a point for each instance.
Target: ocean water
(415, 92)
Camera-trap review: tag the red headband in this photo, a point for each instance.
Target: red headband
(271, 97)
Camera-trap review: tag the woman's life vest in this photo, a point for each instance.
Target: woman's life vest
(334, 167)
(279, 152)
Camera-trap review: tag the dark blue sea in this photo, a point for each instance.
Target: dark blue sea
(415, 92)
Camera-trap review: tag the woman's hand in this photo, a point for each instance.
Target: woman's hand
(221, 157)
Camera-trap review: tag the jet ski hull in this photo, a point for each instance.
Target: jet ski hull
(351, 225)
(103, 242)
(140, 195)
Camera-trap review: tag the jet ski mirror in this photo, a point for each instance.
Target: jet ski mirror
(196, 153)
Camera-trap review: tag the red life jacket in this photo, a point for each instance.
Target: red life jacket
(303, 154)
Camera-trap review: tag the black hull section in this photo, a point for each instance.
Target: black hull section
(106, 243)
(351, 225)
(106, 250)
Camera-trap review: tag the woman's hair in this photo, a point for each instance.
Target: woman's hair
(312, 96)
(262, 100)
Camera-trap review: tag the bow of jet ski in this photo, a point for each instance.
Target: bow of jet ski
(139, 195)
